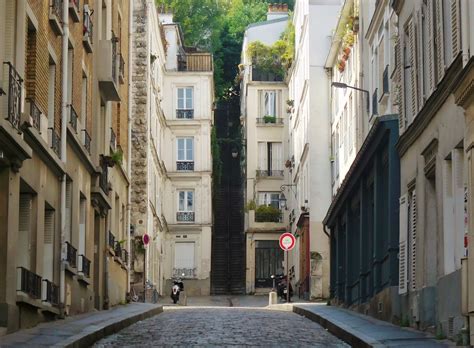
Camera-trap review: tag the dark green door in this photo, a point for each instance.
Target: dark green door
(268, 261)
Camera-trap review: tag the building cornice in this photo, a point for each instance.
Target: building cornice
(431, 107)
(464, 90)
(377, 17)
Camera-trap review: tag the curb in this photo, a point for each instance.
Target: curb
(96, 332)
(338, 331)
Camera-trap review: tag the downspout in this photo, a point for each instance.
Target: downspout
(129, 141)
(64, 110)
(325, 231)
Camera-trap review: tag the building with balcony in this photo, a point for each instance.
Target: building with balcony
(59, 195)
(265, 126)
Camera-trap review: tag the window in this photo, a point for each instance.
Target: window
(185, 154)
(185, 206)
(185, 98)
(24, 230)
(51, 92)
(48, 247)
(270, 159)
(270, 103)
(271, 199)
(84, 100)
(70, 67)
(82, 226)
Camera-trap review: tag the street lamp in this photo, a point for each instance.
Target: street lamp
(235, 153)
(344, 85)
(282, 200)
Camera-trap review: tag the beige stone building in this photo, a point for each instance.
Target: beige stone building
(63, 158)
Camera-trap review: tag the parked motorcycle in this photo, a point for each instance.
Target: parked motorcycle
(178, 286)
(282, 289)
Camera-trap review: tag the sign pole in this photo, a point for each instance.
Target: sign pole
(287, 242)
(287, 278)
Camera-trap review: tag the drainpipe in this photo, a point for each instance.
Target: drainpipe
(326, 232)
(64, 110)
(465, 31)
(129, 142)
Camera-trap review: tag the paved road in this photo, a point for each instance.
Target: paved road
(220, 326)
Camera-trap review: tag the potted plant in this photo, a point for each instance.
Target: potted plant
(290, 102)
(341, 65)
(269, 119)
(346, 50)
(289, 109)
(117, 157)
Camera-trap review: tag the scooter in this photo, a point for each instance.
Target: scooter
(282, 289)
(178, 286)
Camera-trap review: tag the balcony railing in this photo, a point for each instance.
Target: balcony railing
(56, 8)
(55, 142)
(185, 216)
(121, 68)
(114, 57)
(185, 166)
(111, 240)
(104, 177)
(118, 250)
(88, 30)
(73, 118)
(87, 141)
(14, 96)
(85, 264)
(187, 114)
(273, 173)
(51, 292)
(71, 255)
(29, 283)
(184, 272)
(35, 114)
(385, 80)
(269, 120)
(268, 217)
(195, 62)
(374, 103)
(113, 139)
(125, 256)
(259, 75)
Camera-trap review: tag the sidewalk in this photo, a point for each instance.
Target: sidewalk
(81, 330)
(364, 331)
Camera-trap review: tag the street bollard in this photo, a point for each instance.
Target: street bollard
(272, 298)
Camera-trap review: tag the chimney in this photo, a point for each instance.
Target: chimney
(276, 11)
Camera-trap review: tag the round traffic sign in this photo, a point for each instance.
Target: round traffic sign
(146, 239)
(287, 241)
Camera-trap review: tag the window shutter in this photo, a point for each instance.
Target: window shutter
(276, 156)
(184, 255)
(262, 156)
(398, 81)
(420, 64)
(430, 47)
(402, 253)
(413, 67)
(439, 40)
(48, 226)
(455, 28)
(413, 222)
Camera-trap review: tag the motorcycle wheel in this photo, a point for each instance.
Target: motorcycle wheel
(175, 301)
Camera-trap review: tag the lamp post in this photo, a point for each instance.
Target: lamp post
(344, 86)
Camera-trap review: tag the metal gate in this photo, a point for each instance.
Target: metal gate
(268, 261)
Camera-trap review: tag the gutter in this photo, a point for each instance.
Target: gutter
(129, 140)
(64, 111)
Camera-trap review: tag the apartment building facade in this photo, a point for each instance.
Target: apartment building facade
(62, 129)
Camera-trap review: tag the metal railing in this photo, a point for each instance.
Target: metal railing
(55, 142)
(265, 217)
(114, 57)
(125, 256)
(185, 166)
(184, 272)
(71, 255)
(113, 139)
(118, 249)
(88, 28)
(374, 103)
(187, 114)
(273, 173)
(35, 114)
(385, 80)
(104, 177)
(85, 265)
(52, 293)
(195, 62)
(73, 118)
(14, 96)
(111, 240)
(30, 283)
(56, 8)
(185, 216)
(269, 120)
(260, 75)
(87, 141)
(121, 66)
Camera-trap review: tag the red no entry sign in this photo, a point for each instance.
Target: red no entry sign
(287, 241)
(146, 239)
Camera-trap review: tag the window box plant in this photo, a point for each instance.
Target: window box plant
(269, 119)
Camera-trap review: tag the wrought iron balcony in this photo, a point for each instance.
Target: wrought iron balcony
(272, 173)
(85, 266)
(87, 141)
(73, 118)
(374, 103)
(121, 68)
(71, 255)
(260, 75)
(88, 29)
(185, 166)
(125, 256)
(269, 120)
(29, 283)
(74, 10)
(195, 62)
(14, 96)
(385, 80)
(55, 16)
(111, 241)
(55, 142)
(113, 139)
(118, 249)
(114, 57)
(184, 272)
(185, 216)
(35, 114)
(51, 293)
(185, 113)
(104, 177)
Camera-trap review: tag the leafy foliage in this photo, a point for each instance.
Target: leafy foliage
(267, 213)
(216, 157)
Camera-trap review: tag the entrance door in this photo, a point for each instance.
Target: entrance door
(268, 261)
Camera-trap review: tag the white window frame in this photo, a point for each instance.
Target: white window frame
(267, 98)
(187, 141)
(185, 98)
(186, 201)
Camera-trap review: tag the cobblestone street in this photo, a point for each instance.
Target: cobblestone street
(212, 326)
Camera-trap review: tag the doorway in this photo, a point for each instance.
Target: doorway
(268, 261)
